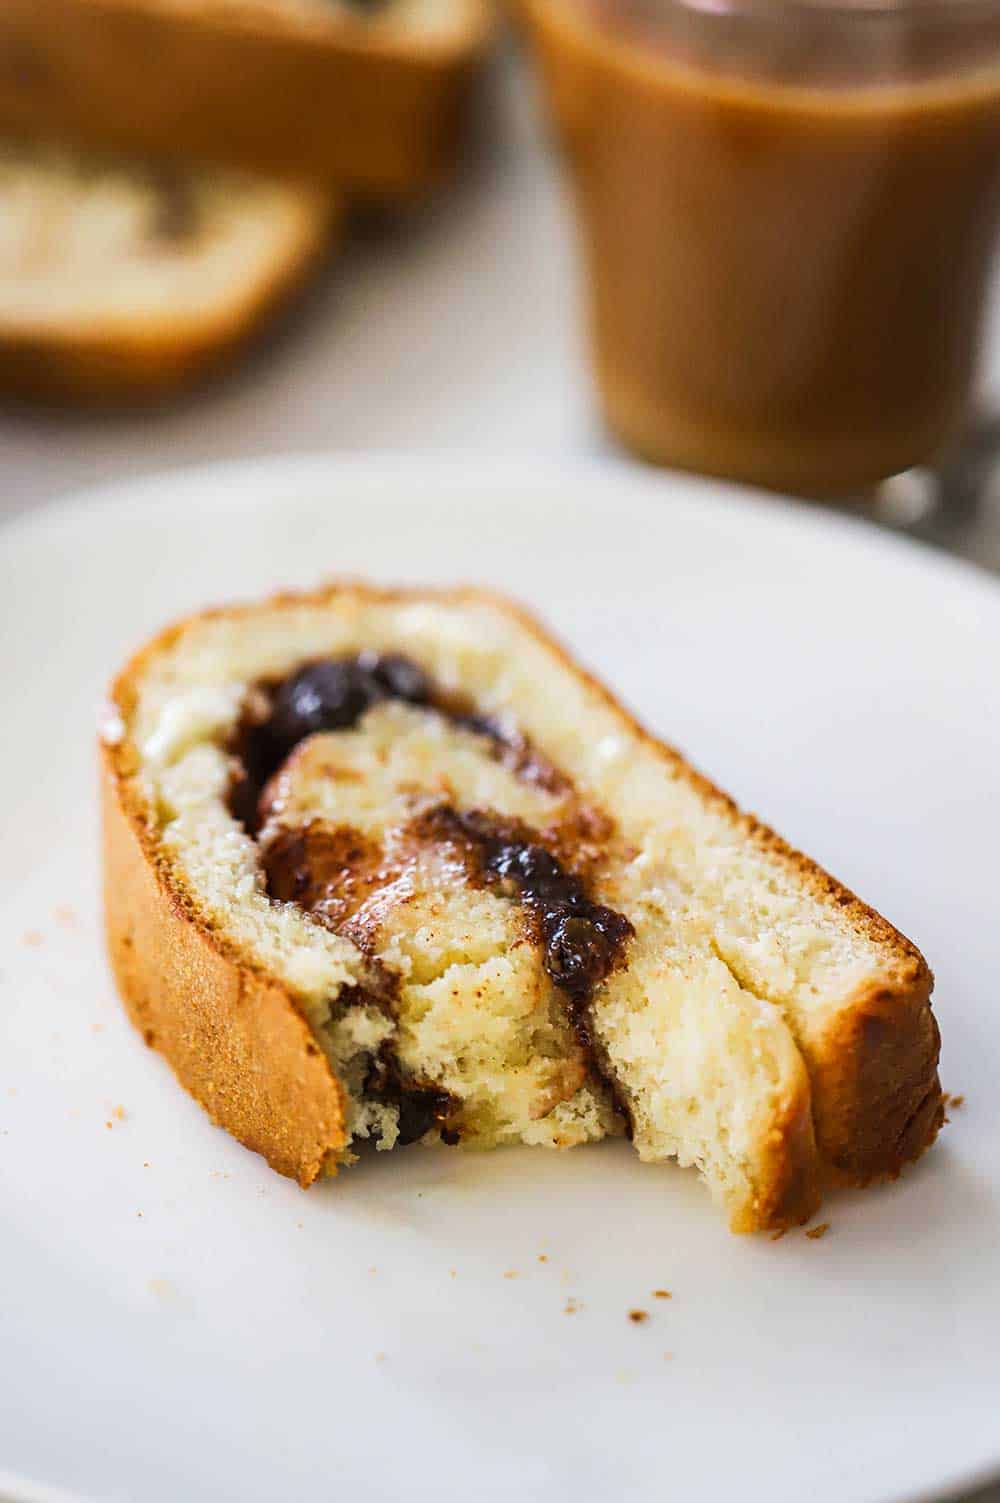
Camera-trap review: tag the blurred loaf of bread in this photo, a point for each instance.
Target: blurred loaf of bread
(123, 282)
(369, 94)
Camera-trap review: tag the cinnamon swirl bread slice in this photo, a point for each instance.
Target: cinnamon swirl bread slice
(387, 865)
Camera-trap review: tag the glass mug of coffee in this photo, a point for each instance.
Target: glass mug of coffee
(788, 211)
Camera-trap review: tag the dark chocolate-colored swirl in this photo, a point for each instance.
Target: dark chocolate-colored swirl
(332, 694)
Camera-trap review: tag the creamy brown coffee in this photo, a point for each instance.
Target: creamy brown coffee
(787, 216)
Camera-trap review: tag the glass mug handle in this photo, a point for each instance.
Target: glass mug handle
(946, 504)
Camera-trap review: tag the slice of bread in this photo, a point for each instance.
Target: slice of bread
(369, 94)
(121, 282)
(389, 865)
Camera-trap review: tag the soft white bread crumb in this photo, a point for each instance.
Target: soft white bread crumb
(477, 1014)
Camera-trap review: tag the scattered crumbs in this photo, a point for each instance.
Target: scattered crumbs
(373, 1269)
(300, 1225)
(543, 1257)
(109, 1124)
(65, 915)
(950, 1103)
(815, 1232)
(145, 1163)
(777, 1236)
(511, 1273)
(662, 1294)
(32, 938)
(139, 1214)
(572, 1307)
(453, 1273)
(119, 1114)
(638, 1317)
(565, 1276)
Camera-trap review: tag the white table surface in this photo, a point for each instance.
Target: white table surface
(455, 330)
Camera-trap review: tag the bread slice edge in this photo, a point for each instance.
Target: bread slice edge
(233, 1036)
(351, 104)
(138, 358)
(872, 1093)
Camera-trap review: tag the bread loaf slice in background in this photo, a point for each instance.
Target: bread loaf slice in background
(388, 864)
(372, 95)
(121, 282)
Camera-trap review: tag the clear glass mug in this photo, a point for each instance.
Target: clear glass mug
(788, 211)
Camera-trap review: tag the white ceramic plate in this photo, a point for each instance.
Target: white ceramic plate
(181, 1324)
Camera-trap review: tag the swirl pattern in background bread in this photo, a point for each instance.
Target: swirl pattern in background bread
(124, 282)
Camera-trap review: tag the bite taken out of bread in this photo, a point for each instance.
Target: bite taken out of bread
(387, 866)
(122, 282)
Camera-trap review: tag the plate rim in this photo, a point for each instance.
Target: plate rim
(161, 488)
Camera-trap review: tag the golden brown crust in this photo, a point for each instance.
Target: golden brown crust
(233, 1037)
(877, 1100)
(871, 1100)
(878, 1097)
(791, 1189)
(327, 99)
(161, 355)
